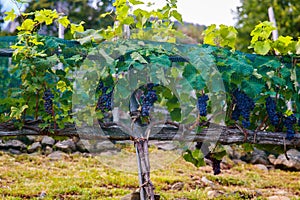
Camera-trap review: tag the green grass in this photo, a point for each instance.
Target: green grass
(78, 177)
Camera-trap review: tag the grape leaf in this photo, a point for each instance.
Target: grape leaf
(10, 15)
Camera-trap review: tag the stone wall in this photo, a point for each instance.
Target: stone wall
(52, 147)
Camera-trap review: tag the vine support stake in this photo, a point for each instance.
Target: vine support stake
(142, 153)
(142, 192)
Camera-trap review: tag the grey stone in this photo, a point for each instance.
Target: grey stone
(102, 146)
(272, 159)
(25, 139)
(2, 144)
(47, 141)
(259, 157)
(206, 181)
(292, 163)
(67, 146)
(36, 146)
(14, 151)
(32, 138)
(177, 186)
(166, 146)
(14, 144)
(83, 145)
(57, 155)
(42, 195)
(48, 150)
(261, 167)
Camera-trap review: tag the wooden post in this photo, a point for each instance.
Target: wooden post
(141, 147)
(273, 20)
(275, 37)
(61, 29)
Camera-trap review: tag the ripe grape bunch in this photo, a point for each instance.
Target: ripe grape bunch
(148, 99)
(289, 122)
(243, 107)
(271, 110)
(202, 105)
(216, 165)
(48, 102)
(104, 101)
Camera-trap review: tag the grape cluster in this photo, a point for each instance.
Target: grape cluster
(148, 99)
(243, 107)
(104, 100)
(216, 165)
(201, 104)
(48, 102)
(271, 110)
(289, 122)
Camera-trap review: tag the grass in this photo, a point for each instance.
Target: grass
(79, 177)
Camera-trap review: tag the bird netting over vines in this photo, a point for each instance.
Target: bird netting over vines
(65, 82)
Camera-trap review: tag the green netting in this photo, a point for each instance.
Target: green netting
(203, 67)
(225, 60)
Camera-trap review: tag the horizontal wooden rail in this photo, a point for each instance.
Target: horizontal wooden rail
(213, 133)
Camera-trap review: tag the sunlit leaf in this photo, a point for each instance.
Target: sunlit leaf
(10, 15)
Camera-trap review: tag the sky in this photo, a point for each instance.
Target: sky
(203, 12)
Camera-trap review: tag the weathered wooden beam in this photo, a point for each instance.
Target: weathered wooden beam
(221, 134)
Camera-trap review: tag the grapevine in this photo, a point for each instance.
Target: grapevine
(256, 76)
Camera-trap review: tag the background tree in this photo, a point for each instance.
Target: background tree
(192, 30)
(251, 12)
(88, 11)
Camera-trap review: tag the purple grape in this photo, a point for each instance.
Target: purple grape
(104, 101)
(202, 105)
(148, 99)
(48, 102)
(289, 122)
(244, 106)
(271, 110)
(216, 165)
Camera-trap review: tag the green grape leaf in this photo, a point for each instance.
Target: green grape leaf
(219, 155)
(138, 57)
(10, 15)
(17, 112)
(252, 88)
(107, 13)
(136, 2)
(176, 15)
(176, 114)
(27, 25)
(77, 27)
(64, 21)
(262, 47)
(195, 157)
(163, 60)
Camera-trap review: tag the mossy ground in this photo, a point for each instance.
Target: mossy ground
(77, 177)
